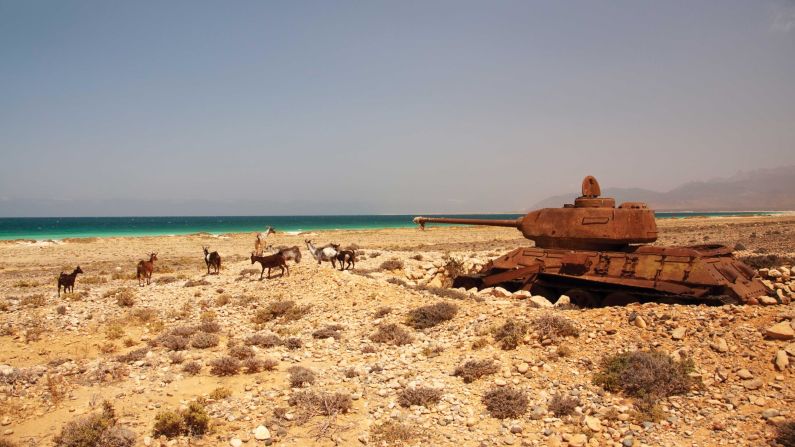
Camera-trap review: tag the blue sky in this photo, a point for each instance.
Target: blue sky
(386, 106)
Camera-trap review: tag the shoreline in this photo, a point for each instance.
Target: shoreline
(60, 237)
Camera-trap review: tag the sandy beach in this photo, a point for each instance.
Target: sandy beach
(61, 357)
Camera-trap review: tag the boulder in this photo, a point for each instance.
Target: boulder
(540, 301)
(499, 292)
(564, 300)
(780, 331)
(593, 424)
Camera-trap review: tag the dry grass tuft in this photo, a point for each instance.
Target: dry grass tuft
(393, 433)
(133, 356)
(331, 331)
(241, 352)
(300, 376)
(511, 334)
(554, 327)
(173, 342)
(196, 283)
(391, 264)
(419, 396)
(263, 341)
(431, 315)
(220, 393)
(506, 402)
(293, 343)
(33, 301)
(284, 310)
(192, 368)
(192, 421)
(475, 369)
(99, 429)
(210, 327)
(785, 434)
(203, 340)
(562, 405)
(392, 334)
(381, 312)
(225, 366)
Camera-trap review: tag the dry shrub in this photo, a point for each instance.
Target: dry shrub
(173, 342)
(4, 306)
(222, 300)
(331, 331)
(397, 281)
(293, 343)
(108, 348)
(642, 374)
(192, 368)
(192, 421)
(203, 340)
(60, 310)
(133, 356)
(57, 388)
(429, 316)
(241, 352)
(393, 433)
(176, 358)
(129, 342)
(196, 283)
(511, 334)
(554, 327)
(225, 366)
(350, 373)
(286, 310)
(392, 334)
(785, 434)
(166, 279)
(7, 443)
(480, 343)
(506, 402)
(211, 327)
(114, 331)
(36, 300)
(419, 396)
(444, 292)
(208, 315)
(220, 393)
(184, 331)
(99, 429)
(145, 315)
(369, 349)
(22, 284)
(562, 405)
(327, 404)
(475, 369)
(253, 365)
(300, 376)
(124, 296)
(263, 341)
(381, 312)
(564, 351)
(391, 264)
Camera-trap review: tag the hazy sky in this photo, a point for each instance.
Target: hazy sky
(376, 106)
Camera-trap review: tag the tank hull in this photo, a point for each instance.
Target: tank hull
(707, 273)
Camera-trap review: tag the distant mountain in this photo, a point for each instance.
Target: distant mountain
(758, 190)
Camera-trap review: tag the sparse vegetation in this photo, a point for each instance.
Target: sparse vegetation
(114, 331)
(392, 334)
(785, 434)
(381, 312)
(293, 343)
(284, 310)
(505, 402)
(263, 341)
(173, 342)
(203, 340)
(554, 327)
(393, 433)
(225, 366)
(300, 376)
(475, 369)
(192, 421)
(310, 403)
(220, 393)
(511, 334)
(133, 356)
(561, 405)
(331, 331)
(192, 368)
(99, 429)
(210, 327)
(391, 264)
(196, 283)
(124, 296)
(36, 300)
(431, 315)
(241, 352)
(419, 396)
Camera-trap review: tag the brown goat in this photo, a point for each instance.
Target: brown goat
(344, 256)
(212, 260)
(269, 262)
(145, 269)
(68, 281)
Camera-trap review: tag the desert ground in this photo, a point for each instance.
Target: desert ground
(152, 351)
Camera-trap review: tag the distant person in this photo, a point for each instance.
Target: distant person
(260, 245)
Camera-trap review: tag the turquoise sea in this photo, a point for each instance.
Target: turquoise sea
(42, 228)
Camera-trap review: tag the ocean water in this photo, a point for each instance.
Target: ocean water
(42, 228)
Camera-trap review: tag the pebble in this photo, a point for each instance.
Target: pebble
(782, 360)
(578, 440)
(745, 374)
(678, 333)
(236, 442)
(593, 424)
(780, 331)
(720, 345)
(262, 433)
(640, 322)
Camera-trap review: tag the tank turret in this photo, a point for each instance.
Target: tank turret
(592, 222)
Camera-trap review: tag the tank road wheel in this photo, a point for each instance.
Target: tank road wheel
(619, 299)
(584, 298)
(546, 292)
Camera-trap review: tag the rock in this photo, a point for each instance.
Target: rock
(6, 421)
(499, 292)
(773, 273)
(578, 440)
(767, 300)
(678, 333)
(262, 433)
(628, 442)
(436, 281)
(540, 301)
(522, 294)
(236, 442)
(770, 413)
(147, 439)
(780, 331)
(781, 360)
(522, 367)
(720, 345)
(753, 384)
(745, 374)
(790, 349)
(593, 424)
(640, 322)
(564, 300)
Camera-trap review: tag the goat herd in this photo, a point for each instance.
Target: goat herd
(328, 253)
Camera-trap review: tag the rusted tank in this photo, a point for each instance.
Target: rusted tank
(595, 253)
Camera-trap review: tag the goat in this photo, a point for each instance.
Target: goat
(68, 281)
(291, 253)
(344, 256)
(145, 269)
(212, 260)
(326, 253)
(259, 243)
(269, 262)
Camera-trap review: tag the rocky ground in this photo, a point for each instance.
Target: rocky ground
(60, 358)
